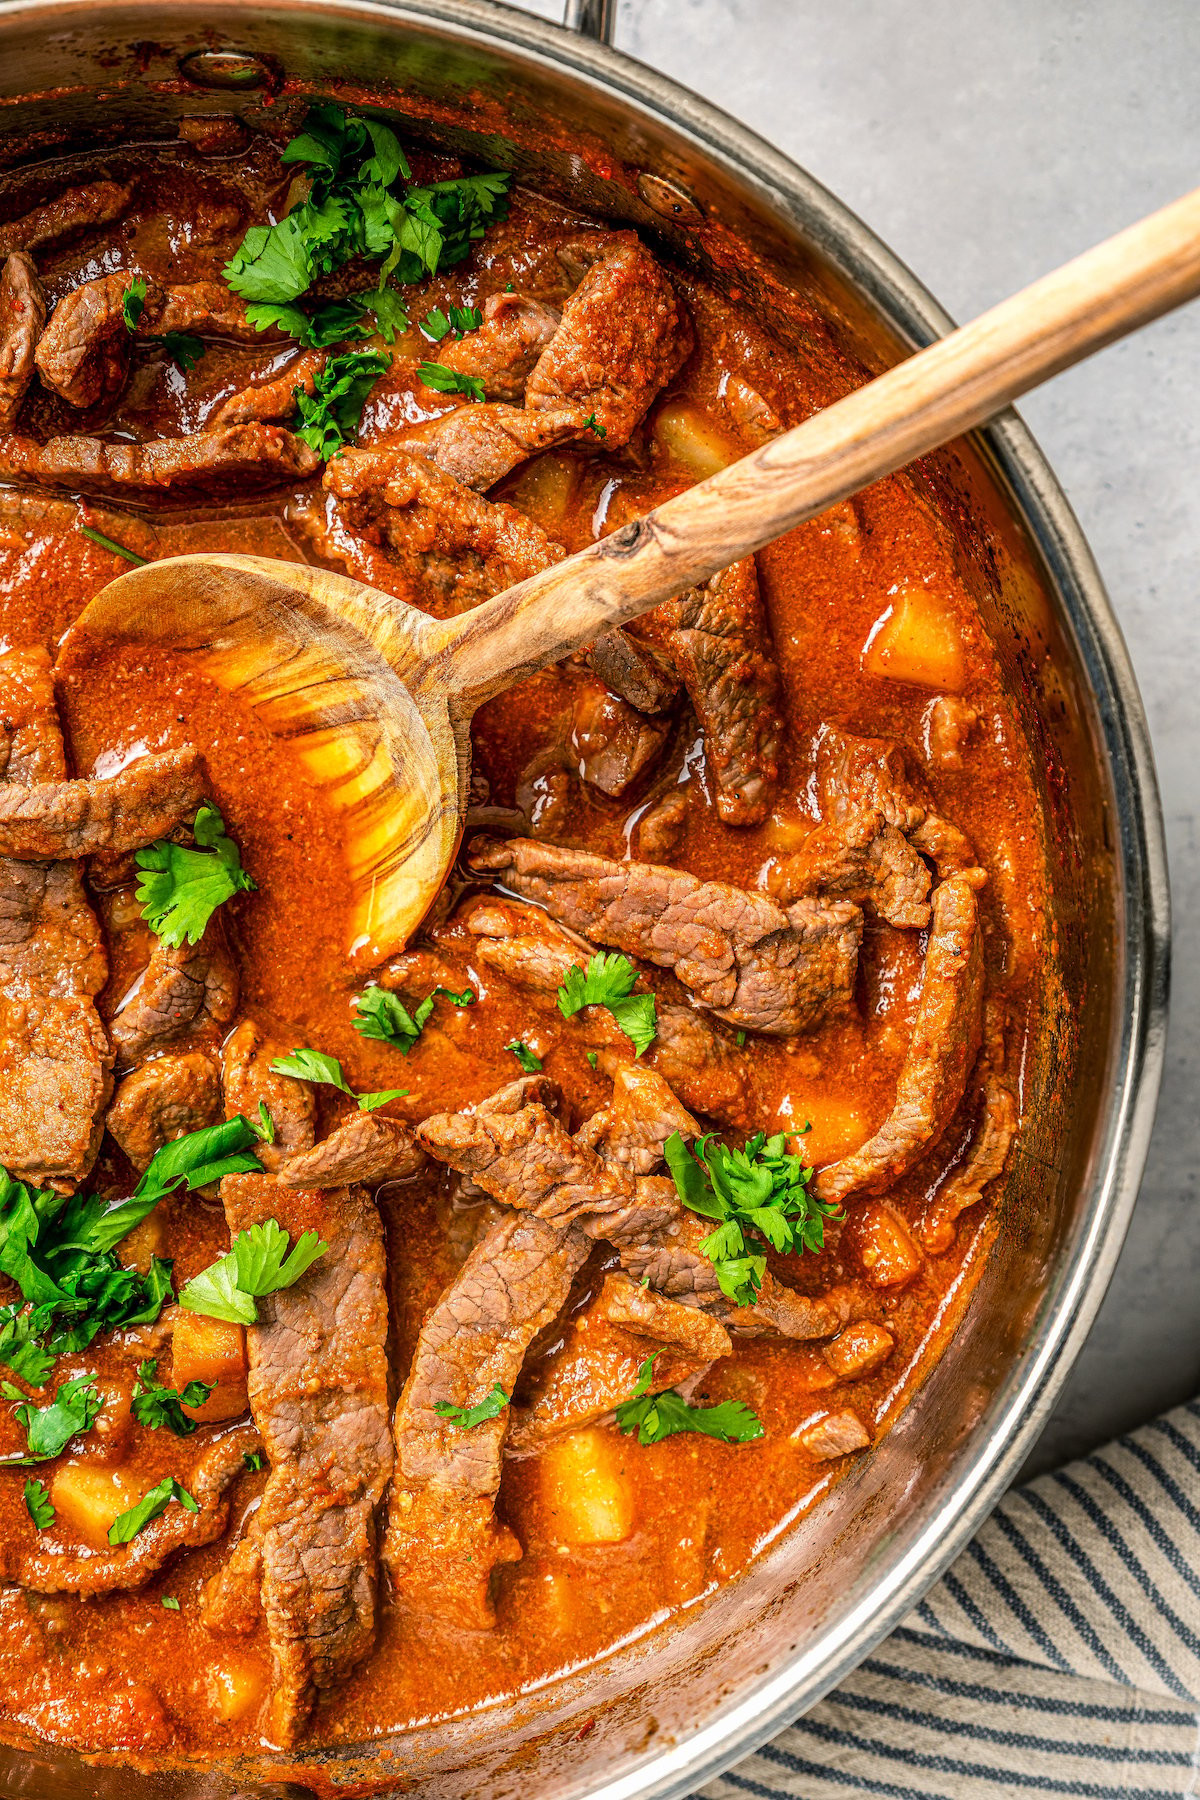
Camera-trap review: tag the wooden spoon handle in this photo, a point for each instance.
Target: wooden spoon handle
(923, 402)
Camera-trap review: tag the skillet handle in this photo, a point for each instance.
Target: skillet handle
(926, 401)
(595, 19)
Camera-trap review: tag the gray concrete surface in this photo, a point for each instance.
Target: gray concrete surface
(986, 141)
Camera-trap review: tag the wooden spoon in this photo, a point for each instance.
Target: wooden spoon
(376, 697)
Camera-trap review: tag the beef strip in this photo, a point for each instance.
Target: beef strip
(866, 784)
(987, 1152)
(946, 1036)
(57, 819)
(746, 959)
(615, 746)
(365, 1147)
(837, 1434)
(50, 1566)
(443, 1539)
(235, 459)
(596, 1363)
(708, 1072)
(246, 1065)
(22, 316)
(885, 872)
(719, 639)
(161, 1101)
(206, 308)
(273, 398)
(55, 1062)
(436, 543)
(635, 668)
(318, 1395)
(76, 209)
(623, 336)
(182, 989)
(503, 350)
(479, 444)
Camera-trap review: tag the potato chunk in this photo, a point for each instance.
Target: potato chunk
(693, 440)
(87, 1497)
(859, 1350)
(237, 1686)
(837, 1127)
(210, 1350)
(586, 1494)
(886, 1249)
(917, 640)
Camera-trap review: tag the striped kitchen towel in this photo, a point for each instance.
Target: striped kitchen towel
(1059, 1657)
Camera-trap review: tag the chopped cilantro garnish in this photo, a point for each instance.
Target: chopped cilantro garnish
(592, 424)
(449, 381)
(739, 1039)
(180, 888)
(196, 1160)
(382, 1016)
(107, 543)
(182, 348)
(49, 1429)
(38, 1504)
(169, 1602)
(592, 1058)
(253, 1460)
(134, 303)
(330, 414)
(524, 1055)
(467, 1417)
(21, 1347)
(608, 981)
(264, 1126)
(356, 209)
(126, 1525)
(154, 1405)
(314, 1065)
(657, 1416)
(760, 1192)
(459, 319)
(258, 1263)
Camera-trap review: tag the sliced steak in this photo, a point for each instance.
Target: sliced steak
(503, 350)
(248, 1078)
(945, 1041)
(364, 1147)
(443, 1539)
(49, 1565)
(885, 873)
(741, 955)
(623, 336)
(837, 1434)
(633, 667)
(206, 308)
(596, 1363)
(615, 746)
(273, 398)
(480, 443)
(233, 460)
(435, 542)
(187, 988)
(719, 639)
(318, 1395)
(58, 819)
(162, 1101)
(55, 1061)
(22, 316)
(77, 209)
(708, 1072)
(987, 1152)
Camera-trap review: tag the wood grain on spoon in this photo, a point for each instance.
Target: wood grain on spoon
(376, 697)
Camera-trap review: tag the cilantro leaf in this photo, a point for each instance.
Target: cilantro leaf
(264, 1126)
(280, 262)
(460, 319)
(312, 1065)
(169, 1602)
(21, 1348)
(258, 1263)
(608, 981)
(391, 314)
(332, 411)
(134, 303)
(592, 424)
(756, 1193)
(181, 888)
(182, 348)
(657, 1416)
(524, 1055)
(382, 1016)
(49, 1429)
(107, 543)
(154, 1405)
(450, 381)
(195, 1159)
(467, 1417)
(126, 1525)
(329, 322)
(371, 1102)
(38, 1504)
(253, 1460)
